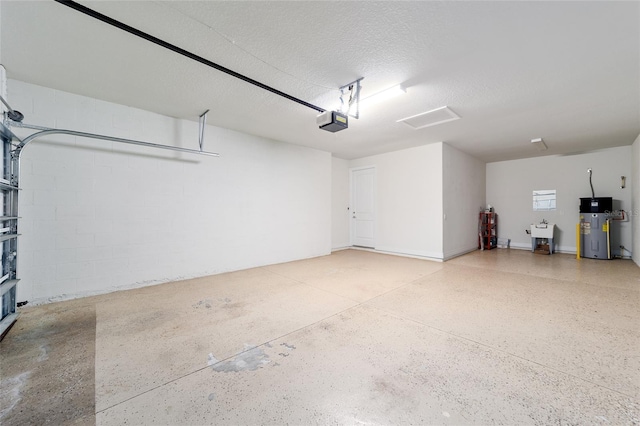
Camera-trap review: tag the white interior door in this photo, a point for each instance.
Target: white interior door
(363, 215)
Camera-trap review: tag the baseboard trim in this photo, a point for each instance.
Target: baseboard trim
(335, 249)
(398, 253)
(459, 253)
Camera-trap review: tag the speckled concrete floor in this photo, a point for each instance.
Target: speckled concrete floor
(502, 336)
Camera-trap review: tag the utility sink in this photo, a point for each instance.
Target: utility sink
(542, 230)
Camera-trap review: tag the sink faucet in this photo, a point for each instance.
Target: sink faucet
(544, 221)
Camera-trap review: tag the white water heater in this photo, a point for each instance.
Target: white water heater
(595, 221)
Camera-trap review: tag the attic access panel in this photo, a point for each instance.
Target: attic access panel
(430, 118)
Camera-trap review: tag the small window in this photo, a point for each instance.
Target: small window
(544, 200)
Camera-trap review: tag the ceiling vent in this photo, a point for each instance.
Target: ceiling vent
(430, 118)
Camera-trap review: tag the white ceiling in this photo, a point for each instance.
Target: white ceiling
(568, 72)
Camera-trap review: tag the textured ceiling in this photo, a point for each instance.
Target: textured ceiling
(568, 72)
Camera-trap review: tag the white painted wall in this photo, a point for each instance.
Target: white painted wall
(339, 203)
(635, 210)
(98, 216)
(3, 88)
(464, 184)
(510, 185)
(408, 200)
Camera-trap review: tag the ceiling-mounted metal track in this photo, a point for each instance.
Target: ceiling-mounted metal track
(44, 131)
(159, 42)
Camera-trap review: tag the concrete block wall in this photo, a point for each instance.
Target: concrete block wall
(99, 216)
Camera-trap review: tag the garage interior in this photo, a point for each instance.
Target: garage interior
(308, 276)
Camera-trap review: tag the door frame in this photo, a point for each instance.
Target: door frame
(352, 201)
